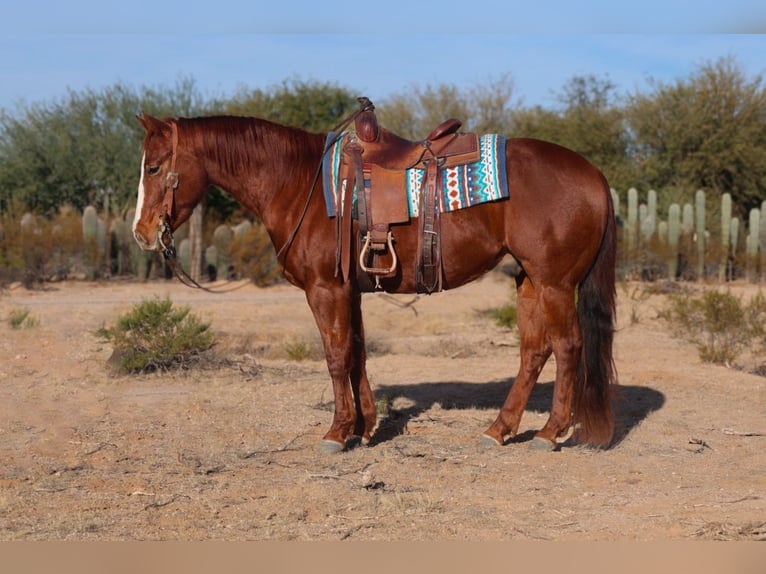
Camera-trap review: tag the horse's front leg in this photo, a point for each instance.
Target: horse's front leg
(338, 315)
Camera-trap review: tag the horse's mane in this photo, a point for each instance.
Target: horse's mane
(238, 143)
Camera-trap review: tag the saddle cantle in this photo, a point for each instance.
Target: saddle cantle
(376, 161)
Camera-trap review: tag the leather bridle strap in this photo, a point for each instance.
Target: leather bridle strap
(165, 231)
(171, 179)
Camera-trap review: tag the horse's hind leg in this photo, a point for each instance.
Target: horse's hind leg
(558, 306)
(535, 350)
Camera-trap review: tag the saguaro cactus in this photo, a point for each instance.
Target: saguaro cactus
(139, 259)
(762, 240)
(616, 203)
(118, 234)
(632, 223)
(725, 235)
(649, 220)
(699, 229)
(91, 232)
(222, 238)
(752, 242)
(674, 234)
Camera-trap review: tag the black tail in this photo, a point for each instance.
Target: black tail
(596, 307)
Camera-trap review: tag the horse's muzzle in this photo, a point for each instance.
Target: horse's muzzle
(144, 243)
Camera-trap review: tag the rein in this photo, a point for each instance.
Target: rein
(165, 232)
(364, 105)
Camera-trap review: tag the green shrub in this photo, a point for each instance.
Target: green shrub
(505, 316)
(302, 350)
(156, 336)
(20, 318)
(718, 323)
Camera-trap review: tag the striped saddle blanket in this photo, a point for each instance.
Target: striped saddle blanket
(459, 187)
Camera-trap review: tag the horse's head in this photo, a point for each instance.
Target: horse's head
(172, 183)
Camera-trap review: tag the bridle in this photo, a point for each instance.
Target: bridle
(165, 231)
(168, 202)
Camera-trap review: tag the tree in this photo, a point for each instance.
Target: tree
(707, 131)
(71, 151)
(590, 121)
(484, 108)
(313, 106)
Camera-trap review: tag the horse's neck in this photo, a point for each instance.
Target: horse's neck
(274, 174)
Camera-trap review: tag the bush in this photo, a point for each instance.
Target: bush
(253, 257)
(504, 316)
(20, 318)
(36, 249)
(155, 336)
(718, 323)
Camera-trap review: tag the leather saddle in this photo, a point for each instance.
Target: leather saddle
(376, 161)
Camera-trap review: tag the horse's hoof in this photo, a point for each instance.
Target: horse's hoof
(331, 447)
(540, 443)
(487, 441)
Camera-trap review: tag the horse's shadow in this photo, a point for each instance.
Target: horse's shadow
(632, 404)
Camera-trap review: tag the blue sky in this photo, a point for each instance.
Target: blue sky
(47, 48)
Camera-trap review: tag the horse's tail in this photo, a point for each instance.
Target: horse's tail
(596, 307)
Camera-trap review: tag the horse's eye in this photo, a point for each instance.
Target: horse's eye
(153, 170)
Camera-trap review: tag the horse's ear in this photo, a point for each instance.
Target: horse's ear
(152, 124)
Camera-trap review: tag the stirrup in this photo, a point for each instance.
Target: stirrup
(377, 271)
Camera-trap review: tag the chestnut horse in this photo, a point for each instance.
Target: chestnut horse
(558, 223)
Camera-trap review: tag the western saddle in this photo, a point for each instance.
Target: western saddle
(377, 161)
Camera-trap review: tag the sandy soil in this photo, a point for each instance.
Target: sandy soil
(229, 452)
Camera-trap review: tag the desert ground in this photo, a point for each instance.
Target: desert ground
(228, 450)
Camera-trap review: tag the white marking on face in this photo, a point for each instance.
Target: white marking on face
(140, 204)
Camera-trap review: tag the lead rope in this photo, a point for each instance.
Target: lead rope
(168, 247)
(165, 233)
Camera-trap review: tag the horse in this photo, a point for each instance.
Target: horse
(558, 223)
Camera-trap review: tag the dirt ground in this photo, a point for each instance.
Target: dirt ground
(230, 452)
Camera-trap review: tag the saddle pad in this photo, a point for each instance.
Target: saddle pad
(462, 186)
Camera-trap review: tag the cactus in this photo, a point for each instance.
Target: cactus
(139, 259)
(211, 262)
(222, 238)
(699, 229)
(615, 203)
(662, 232)
(687, 219)
(89, 225)
(90, 236)
(649, 225)
(632, 228)
(242, 229)
(674, 234)
(643, 222)
(184, 254)
(725, 235)
(751, 243)
(117, 234)
(762, 240)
